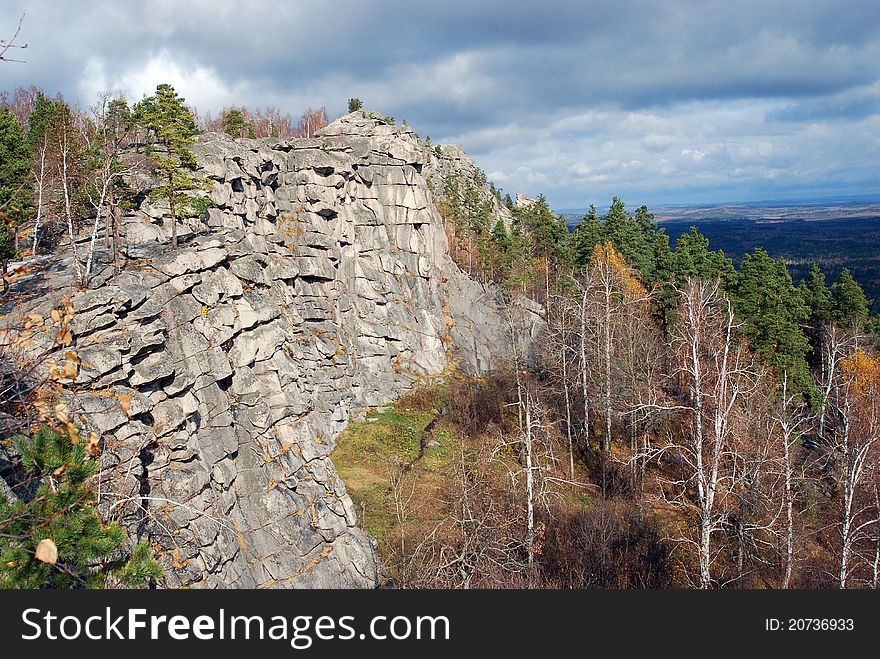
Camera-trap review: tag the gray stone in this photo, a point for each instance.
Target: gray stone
(154, 367)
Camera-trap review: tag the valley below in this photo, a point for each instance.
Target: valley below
(832, 235)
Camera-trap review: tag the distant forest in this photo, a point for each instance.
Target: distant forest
(833, 244)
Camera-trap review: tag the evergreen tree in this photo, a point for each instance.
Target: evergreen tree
(849, 306)
(548, 237)
(166, 115)
(118, 120)
(55, 539)
(521, 271)
(636, 238)
(664, 278)
(235, 124)
(548, 231)
(693, 258)
(503, 247)
(642, 249)
(587, 234)
(616, 222)
(355, 104)
(16, 193)
(42, 121)
(43, 136)
(772, 313)
(817, 297)
(174, 126)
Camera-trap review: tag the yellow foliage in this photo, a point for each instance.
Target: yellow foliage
(33, 320)
(863, 372)
(609, 259)
(175, 560)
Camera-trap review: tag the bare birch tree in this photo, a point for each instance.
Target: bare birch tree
(854, 443)
(787, 424)
(716, 373)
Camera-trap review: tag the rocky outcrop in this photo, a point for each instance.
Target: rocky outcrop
(450, 164)
(220, 373)
(524, 202)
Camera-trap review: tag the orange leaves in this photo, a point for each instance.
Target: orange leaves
(62, 415)
(64, 315)
(20, 271)
(59, 418)
(93, 444)
(608, 260)
(124, 403)
(176, 563)
(863, 372)
(33, 320)
(67, 369)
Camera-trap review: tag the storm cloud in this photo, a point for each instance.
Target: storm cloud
(688, 101)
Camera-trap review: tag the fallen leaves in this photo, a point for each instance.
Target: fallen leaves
(93, 444)
(67, 370)
(33, 320)
(47, 552)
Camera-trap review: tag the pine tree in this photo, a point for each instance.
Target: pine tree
(235, 124)
(549, 238)
(118, 120)
(616, 222)
(355, 104)
(849, 306)
(502, 245)
(55, 539)
(693, 258)
(637, 239)
(42, 120)
(587, 234)
(174, 126)
(772, 313)
(16, 193)
(816, 295)
(42, 137)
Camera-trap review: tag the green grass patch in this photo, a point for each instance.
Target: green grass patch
(366, 448)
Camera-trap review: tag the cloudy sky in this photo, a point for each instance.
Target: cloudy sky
(657, 102)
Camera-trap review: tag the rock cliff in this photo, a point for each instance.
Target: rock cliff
(220, 373)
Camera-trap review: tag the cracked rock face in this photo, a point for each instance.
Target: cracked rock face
(220, 373)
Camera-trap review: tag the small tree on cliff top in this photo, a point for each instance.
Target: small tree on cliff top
(236, 125)
(175, 127)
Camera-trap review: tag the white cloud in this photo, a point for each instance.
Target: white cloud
(201, 85)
